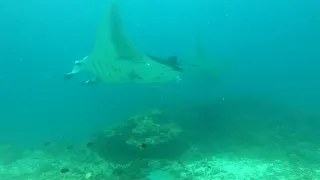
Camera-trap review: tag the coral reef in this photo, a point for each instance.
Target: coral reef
(147, 135)
(234, 139)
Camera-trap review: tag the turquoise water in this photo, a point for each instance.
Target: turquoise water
(269, 79)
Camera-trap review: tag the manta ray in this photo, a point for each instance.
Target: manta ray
(115, 59)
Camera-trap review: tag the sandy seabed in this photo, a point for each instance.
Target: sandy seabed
(83, 164)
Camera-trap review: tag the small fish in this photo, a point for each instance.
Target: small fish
(69, 147)
(65, 170)
(143, 145)
(89, 144)
(46, 144)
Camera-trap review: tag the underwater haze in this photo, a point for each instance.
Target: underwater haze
(273, 47)
(269, 49)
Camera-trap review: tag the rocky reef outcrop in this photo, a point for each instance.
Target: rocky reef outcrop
(147, 135)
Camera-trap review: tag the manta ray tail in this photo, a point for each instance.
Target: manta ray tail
(173, 60)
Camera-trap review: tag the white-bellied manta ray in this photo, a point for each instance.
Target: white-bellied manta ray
(115, 59)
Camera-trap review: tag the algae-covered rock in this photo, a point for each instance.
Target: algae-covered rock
(147, 135)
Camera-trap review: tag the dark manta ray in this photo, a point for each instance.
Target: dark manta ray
(172, 62)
